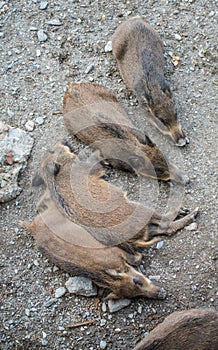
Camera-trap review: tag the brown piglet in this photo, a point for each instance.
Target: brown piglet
(82, 195)
(88, 227)
(93, 114)
(194, 329)
(138, 50)
(73, 249)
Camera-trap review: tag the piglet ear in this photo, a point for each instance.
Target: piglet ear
(37, 180)
(116, 273)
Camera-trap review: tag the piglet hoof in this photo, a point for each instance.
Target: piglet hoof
(162, 294)
(194, 213)
(184, 211)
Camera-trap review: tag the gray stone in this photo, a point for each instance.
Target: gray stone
(54, 22)
(192, 227)
(116, 305)
(10, 113)
(2, 3)
(29, 126)
(81, 286)
(103, 322)
(27, 312)
(89, 68)
(60, 292)
(40, 120)
(33, 29)
(43, 5)
(15, 148)
(103, 344)
(41, 35)
(44, 342)
(160, 245)
(104, 307)
(154, 277)
(178, 37)
(108, 46)
(50, 302)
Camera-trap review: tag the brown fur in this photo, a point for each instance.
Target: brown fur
(62, 241)
(84, 221)
(93, 114)
(138, 50)
(101, 208)
(185, 330)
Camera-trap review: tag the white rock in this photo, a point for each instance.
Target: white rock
(60, 292)
(116, 305)
(39, 120)
(104, 307)
(29, 126)
(178, 37)
(103, 344)
(54, 22)
(160, 245)
(43, 5)
(41, 35)
(81, 286)
(192, 227)
(108, 46)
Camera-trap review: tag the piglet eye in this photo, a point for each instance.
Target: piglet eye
(137, 282)
(162, 121)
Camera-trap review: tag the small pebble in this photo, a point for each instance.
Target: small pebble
(54, 22)
(117, 330)
(178, 37)
(33, 29)
(108, 47)
(44, 335)
(2, 3)
(104, 307)
(10, 113)
(29, 126)
(60, 292)
(192, 227)
(27, 312)
(139, 309)
(36, 263)
(154, 277)
(81, 286)
(41, 35)
(43, 5)
(89, 68)
(55, 269)
(103, 322)
(160, 245)
(50, 302)
(44, 342)
(39, 120)
(116, 305)
(103, 344)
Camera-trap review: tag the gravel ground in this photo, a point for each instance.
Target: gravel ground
(45, 46)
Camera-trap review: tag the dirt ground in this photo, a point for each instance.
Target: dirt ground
(34, 77)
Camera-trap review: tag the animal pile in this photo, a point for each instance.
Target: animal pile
(85, 224)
